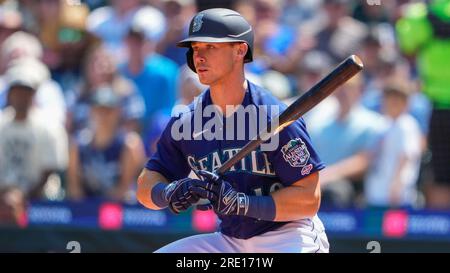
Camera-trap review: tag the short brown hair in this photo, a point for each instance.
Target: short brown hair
(398, 87)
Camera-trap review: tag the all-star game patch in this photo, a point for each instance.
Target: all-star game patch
(295, 153)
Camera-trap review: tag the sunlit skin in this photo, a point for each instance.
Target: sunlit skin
(215, 62)
(21, 99)
(135, 48)
(394, 105)
(106, 121)
(348, 96)
(221, 66)
(100, 68)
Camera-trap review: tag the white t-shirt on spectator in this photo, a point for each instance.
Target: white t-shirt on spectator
(403, 137)
(50, 99)
(28, 149)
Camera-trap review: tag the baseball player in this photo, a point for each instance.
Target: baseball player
(266, 203)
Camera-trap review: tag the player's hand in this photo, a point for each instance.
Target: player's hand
(179, 196)
(224, 198)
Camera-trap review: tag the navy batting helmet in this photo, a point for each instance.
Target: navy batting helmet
(218, 26)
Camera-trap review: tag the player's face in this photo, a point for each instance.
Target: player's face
(214, 61)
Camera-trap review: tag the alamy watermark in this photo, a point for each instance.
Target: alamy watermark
(373, 2)
(247, 123)
(374, 247)
(74, 247)
(73, 2)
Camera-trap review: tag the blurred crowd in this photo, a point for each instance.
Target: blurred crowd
(86, 87)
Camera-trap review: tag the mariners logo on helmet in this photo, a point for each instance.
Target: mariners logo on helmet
(197, 22)
(295, 153)
(218, 25)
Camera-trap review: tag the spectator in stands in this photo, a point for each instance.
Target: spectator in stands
(336, 33)
(423, 33)
(49, 96)
(345, 142)
(154, 75)
(312, 68)
(372, 14)
(48, 18)
(273, 40)
(419, 105)
(10, 22)
(178, 14)
(70, 48)
(392, 177)
(30, 146)
(295, 13)
(93, 4)
(111, 23)
(370, 52)
(100, 69)
(104, 159)
(12, 206)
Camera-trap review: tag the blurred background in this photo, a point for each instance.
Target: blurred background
(86, 88)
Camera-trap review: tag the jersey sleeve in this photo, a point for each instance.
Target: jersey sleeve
(168, 159)
(295, 157)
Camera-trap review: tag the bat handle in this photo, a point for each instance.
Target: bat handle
(196, 173)
(202, 201)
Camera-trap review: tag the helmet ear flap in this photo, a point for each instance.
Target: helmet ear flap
(190, 59)
(249, 56)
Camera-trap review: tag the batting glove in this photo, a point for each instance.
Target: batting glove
(224, 198)
(178, 195)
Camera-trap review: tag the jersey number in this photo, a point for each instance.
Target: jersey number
(263, 191)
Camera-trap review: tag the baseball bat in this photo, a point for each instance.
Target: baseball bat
(342, 73)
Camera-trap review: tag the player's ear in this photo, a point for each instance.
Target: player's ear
(242, 49)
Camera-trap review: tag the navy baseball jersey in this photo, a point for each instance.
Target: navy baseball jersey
(259, 173)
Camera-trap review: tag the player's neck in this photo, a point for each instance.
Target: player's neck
(230, 92)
